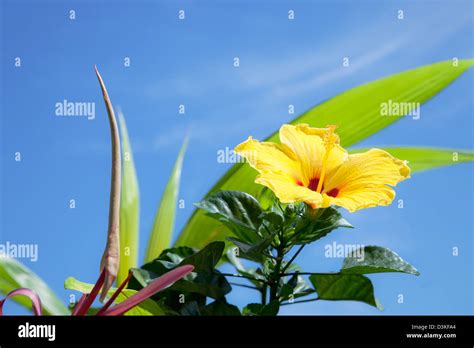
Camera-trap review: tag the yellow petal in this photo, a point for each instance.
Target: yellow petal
(269, 157)
(306, 129)
(362, 181)
(287, 190)
(308, 145)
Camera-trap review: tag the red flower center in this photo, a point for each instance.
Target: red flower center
(313, 185)
(333, 192)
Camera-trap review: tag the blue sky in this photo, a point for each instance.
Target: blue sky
(190, 62)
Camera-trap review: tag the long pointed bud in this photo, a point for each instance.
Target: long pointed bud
(111, 257)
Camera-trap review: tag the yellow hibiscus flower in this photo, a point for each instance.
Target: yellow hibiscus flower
(310, 166)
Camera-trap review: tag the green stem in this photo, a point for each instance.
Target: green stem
(263, 290)
(245, 286)
(276, 274)
(292, 259)
(241, 276)
(302, 301)
(306, 273)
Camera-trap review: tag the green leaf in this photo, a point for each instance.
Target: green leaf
(129, 207)
(220, 307)
(147, 307)
(296, 287)
(376, 259)
(168, 260)
(162, 232)
(285, 292)
(270, 309)
(356, 113)
(175, 255)
(425, 158)
(344, 287)
(190, 309)
(256, 252)
(316, 224)
(14, 275)
(240, 212)
(204, 281)
(206, 259)
(213, 285)
(247, 272)
(266, 197)
(274, 219)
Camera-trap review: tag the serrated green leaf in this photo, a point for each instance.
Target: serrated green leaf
(316, 224)
(14, 275)
(162, 232)
(129, 207)
(344, 287)
(239, 211)
(355, 112)
(376, 259)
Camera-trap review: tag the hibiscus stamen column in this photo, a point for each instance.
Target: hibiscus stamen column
(329, 141)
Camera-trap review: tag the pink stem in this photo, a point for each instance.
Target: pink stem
(35, 300)
(156, 286)
(116, 293)
(79, 304)
(81, 308)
